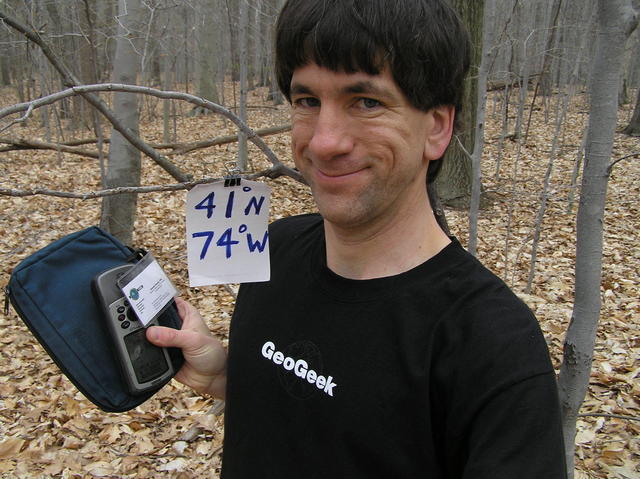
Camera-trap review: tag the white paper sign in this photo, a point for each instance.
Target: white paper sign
(227, 237)
(148, 290)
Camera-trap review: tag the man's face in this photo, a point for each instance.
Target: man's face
(361, 146)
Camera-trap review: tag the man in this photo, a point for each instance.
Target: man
(379, 348)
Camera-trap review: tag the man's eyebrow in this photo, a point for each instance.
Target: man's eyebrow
(367, 87)
(360, 87)
(299, 89)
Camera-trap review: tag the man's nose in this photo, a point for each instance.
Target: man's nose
(332, 134)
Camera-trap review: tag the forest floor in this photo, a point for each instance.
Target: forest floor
(48, 429)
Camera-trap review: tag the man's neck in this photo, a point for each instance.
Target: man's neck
(386, 248)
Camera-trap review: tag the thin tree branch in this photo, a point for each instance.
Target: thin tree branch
(22, 119)
(464, 150)
(179, 148)
(85, 141)
(272, 173)
(70, 80)
(171, 95)
(24, 144)
(613, 163)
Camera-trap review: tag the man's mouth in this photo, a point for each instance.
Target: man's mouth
(339, 174)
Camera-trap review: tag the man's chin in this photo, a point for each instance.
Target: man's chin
(345, 216)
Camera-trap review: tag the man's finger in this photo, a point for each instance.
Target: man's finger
(189, 341)
(191, 318)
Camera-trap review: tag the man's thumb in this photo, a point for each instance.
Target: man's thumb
(169, 337)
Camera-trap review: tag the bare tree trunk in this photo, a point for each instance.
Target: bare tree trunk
(5, 59)
(185, 52)
(550, 52)
(208, 47)
(504, 131)
(233, 7)
(544, 84)
(616, 20)
(252, 44)
(167, 83)
(119, 212)
(271, 8)
(633, 128)
(525, 72)
(573, 83)
(89, 71)
(544, 196)
(476, 184)
(244, 67)
(454, 180)
(86, 51)
(577, 166)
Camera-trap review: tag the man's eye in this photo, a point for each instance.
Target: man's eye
(307, 102)
(369, 103)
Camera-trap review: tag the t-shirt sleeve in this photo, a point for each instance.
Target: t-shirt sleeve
(517, 434)
(494, 391)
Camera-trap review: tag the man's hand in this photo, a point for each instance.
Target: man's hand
(205, 363)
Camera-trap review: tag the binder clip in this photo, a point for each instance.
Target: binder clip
(233, 177)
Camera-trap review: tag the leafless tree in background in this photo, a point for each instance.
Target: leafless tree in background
(616, 20)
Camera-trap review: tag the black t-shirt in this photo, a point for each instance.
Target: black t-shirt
(438, 372)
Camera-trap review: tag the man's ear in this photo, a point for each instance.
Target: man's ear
(440, 128)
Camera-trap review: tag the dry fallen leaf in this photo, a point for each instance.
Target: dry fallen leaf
(10, 447)
(178, 465)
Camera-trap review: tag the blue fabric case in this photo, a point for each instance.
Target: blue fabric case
(51, 291)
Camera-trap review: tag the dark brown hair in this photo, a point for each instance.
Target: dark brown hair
(423, 42)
